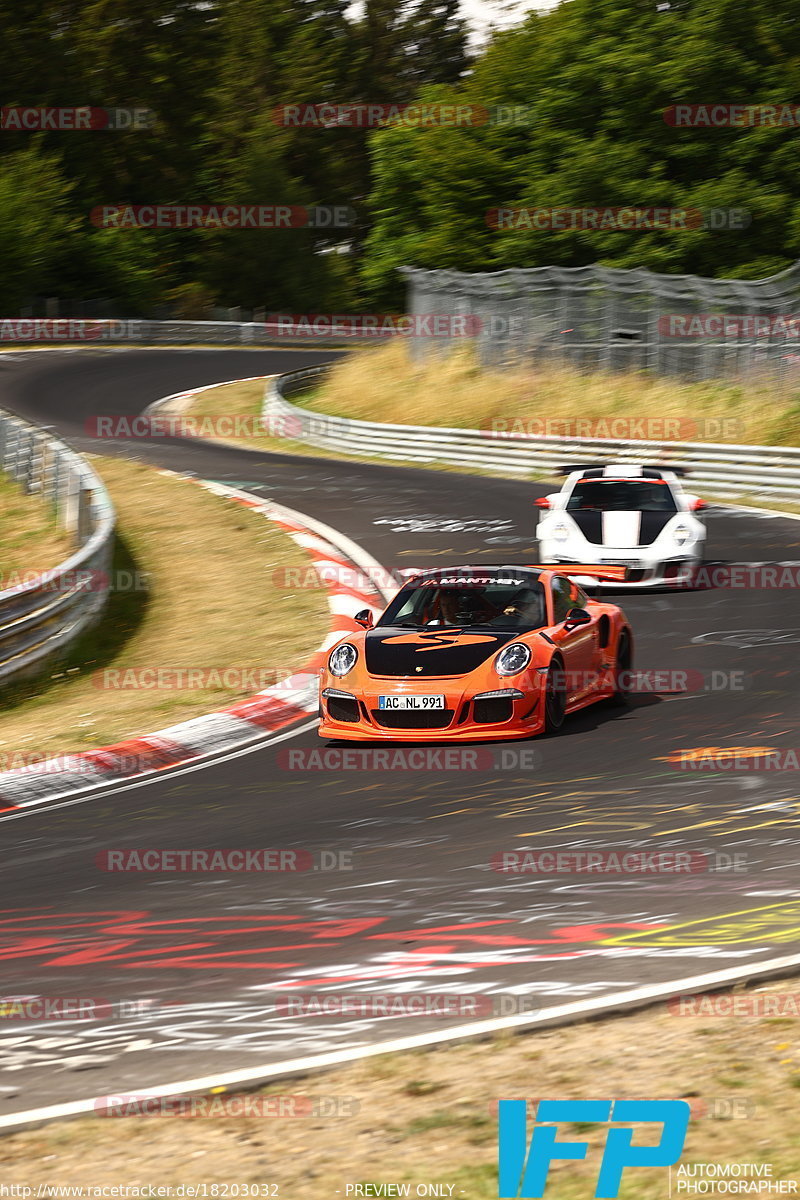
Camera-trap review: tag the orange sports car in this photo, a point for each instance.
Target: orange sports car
(477, 653)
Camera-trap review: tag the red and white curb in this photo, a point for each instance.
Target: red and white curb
(352, 579)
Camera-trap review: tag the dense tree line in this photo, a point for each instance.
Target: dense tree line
(594, 78)
(212, 74)
(597, 78)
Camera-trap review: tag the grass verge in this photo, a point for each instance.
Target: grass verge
(386, 384)
(30, 540)
(196, 590)
(246, 399)
(429, 1116)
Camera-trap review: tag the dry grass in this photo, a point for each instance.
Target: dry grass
(384, 384)
(205, 600)
(30, 540)
(246, 400)
(429, 1116)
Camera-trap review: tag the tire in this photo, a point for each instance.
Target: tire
(623, 662)
(555, 697)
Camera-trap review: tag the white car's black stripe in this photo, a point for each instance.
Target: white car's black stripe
(651, 525)
(590, 523)
(599, 528)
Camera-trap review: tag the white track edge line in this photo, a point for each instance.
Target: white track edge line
(558, 1014)
(199, 763)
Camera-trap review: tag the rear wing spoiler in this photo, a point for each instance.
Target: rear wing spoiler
(590, 571)
(569, 468)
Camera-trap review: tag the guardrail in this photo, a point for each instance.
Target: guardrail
(30, 332)
(715, 468)
(40, 617)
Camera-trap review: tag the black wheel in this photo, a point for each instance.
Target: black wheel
(555, 697)
(622, 669)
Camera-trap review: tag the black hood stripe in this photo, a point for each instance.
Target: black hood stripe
(590, 524)
(651, 526)
(396, 652)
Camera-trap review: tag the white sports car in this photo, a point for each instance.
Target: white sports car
(628, 514)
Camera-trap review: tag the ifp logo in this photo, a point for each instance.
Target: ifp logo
(523, 1170)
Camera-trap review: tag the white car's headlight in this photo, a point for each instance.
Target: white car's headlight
(682, 534)
(342, 659)
(512, 659)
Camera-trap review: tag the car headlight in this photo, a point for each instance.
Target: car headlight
(512, 659)
(682, 534)
(559, 533)
(342, 659)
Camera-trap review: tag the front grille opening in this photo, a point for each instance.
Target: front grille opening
(462, 716)
(341, 709)
(493, 710)
(409, 718)
(673, 570)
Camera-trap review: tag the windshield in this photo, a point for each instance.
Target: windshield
(501, 604)
(611, 496)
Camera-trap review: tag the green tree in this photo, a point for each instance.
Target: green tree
(597, 78)
(36, 228)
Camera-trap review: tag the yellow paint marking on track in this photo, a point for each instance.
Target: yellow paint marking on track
(716, 927)
(724, 831)
(694, 753)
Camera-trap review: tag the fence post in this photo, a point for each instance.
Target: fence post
(72, 491)
(84, 516)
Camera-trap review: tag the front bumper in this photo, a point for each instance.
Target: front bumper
(645, 570)
(520, 716)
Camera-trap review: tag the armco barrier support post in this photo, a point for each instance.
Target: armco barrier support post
(72, 491)
(84, 521)
(10, 452)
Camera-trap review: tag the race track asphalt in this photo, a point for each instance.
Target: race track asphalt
(195, 968)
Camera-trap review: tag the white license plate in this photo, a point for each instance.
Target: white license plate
(410, 701)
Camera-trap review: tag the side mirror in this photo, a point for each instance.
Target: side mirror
(542, 502)
(577, 616)
(697, 504)
(364, 618)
